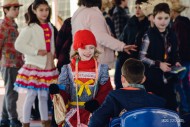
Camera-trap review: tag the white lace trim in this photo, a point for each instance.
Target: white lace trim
(91, 75)
(69, 115)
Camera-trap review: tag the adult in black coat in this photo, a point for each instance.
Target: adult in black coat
(63, 44)
(159, 52)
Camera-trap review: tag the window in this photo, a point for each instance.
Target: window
(64, 9)
(1, 10)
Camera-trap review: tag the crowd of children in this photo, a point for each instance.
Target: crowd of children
(156, 35)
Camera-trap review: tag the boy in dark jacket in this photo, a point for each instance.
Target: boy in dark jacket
(132, 96)
(159, 53)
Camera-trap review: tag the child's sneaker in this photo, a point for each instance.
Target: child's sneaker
(15, 123)
(4, 123)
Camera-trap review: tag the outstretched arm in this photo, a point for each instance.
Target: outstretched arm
(101, 117)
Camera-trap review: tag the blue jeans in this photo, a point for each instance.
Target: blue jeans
(117, 76)
(183, 88)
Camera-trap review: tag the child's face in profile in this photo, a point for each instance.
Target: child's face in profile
(12, 12)
(161, 20)
(87, 53)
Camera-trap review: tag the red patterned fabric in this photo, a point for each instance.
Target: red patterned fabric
(102, 92)
(84, 117)
(31, 77)
(47, 35)
(84, 65)
(8, 55)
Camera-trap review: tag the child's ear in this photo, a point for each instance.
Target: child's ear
(123, 80)
(5, 10)
(143, 80)
(153, 20)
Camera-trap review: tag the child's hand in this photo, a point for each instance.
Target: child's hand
(53, 89)
(91, 105)
(165, 67)
(128, 48)
(177, 64)
(42, 52)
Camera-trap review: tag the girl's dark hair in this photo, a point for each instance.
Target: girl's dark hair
(140, 1)
(117, 2)
(26, 17)
(161, 7)
(90, 3)
(32, 18)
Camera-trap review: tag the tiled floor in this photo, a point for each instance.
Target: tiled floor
(22, 97)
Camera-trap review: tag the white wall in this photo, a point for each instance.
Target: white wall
(54, 11)
(131, 5)
(73, 6)
(187, 11)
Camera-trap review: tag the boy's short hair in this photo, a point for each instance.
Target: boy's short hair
(133, 71)
(161, 7)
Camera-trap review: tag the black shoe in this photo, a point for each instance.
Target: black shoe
(53, 123)
(15, 123)
(4, 123)
(35, 117)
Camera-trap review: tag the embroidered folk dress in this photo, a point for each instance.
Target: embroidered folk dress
(86, 88)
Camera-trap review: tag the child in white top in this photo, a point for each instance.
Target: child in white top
(36, 42)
